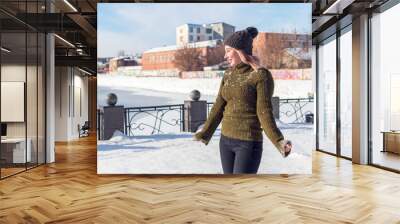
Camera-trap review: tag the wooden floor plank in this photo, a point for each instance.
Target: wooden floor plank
(70, 191)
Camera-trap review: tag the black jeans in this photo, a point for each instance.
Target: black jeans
(240, 156)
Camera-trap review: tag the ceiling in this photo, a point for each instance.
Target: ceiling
(76, 22)
(73, 21)
(332, 15)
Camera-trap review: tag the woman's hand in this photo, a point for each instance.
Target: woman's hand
(196, 138)
(249, 59)
(286, 147)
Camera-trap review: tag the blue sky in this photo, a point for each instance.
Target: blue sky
(135, 27)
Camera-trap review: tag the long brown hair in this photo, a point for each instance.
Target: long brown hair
(251, 60)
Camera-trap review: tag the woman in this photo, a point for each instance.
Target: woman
(244, 106)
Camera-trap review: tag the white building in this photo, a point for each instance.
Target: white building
(190, 33)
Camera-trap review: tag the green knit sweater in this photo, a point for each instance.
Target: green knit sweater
(244, 106)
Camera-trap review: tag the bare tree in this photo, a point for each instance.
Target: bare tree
(188, 59)
(271, 51)
(215, 55)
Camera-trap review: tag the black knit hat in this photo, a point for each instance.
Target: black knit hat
(242, 40)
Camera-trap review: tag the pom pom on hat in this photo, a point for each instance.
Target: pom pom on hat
(252, 31)
(242, 40)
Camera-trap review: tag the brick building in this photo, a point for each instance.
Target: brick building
(296, 58)
(163, 57)
(276, 50)
(288, 40)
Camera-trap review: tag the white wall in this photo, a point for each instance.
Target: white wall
(33, 126)
(71, 87)
(12, 73)
(62, 81)
(81, 94)
(184, 34)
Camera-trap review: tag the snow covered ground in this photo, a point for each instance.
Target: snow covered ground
(154, 89)
(174, 152)
(179, 154)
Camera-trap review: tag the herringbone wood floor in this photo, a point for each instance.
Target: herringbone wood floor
(70, 191)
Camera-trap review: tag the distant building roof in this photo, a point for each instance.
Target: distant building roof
(205, 24)
(208, 43)
(299, 53)
(118, 58)
(191, 24)
(223, 23)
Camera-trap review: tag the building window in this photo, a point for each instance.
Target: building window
(191, 29)
(345, 94)
(198, 38)
(198, 29)
(190, 38)
(208, 30)
(385, 89)
(327, 97)
(210, 38)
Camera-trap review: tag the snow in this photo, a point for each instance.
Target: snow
(175, 152)
(178, 153)
(139, 97)
(157, 87)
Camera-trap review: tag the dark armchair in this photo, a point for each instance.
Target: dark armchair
(84, 130)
